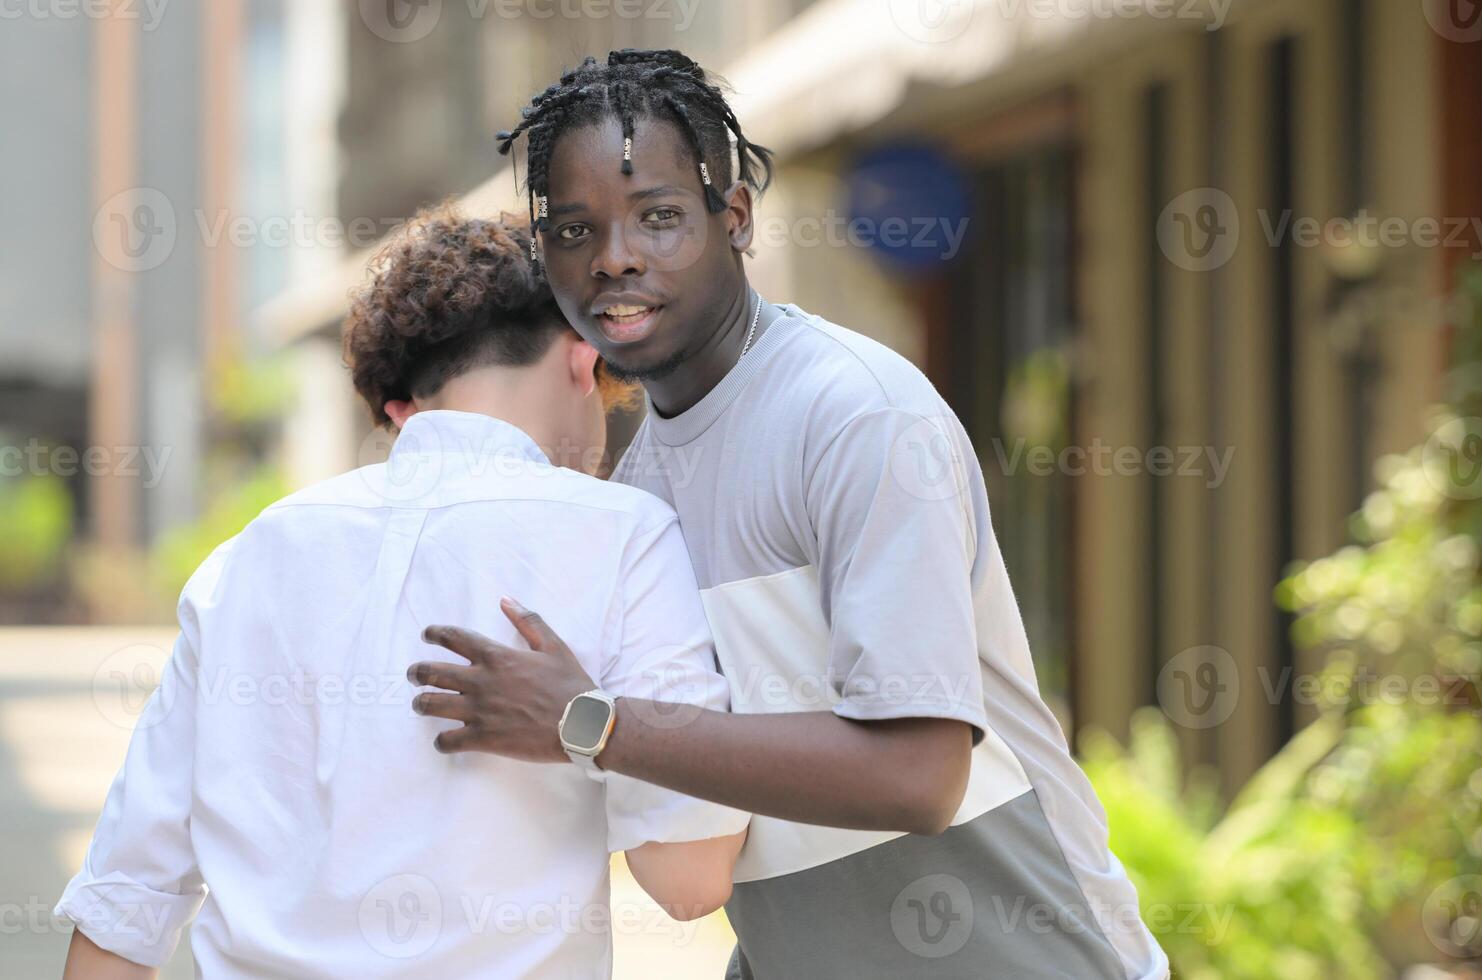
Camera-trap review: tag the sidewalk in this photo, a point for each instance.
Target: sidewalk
(64, 727)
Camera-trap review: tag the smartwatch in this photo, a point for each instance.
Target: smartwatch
(585, 727)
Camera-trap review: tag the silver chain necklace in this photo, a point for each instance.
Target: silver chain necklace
(752, 332)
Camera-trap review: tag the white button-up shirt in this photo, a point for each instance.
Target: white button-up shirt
(279, 783)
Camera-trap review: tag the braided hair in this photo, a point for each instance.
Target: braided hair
(661, 84)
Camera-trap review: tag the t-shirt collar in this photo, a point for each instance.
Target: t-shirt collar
(690, 424)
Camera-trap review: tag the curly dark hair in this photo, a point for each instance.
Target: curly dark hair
(448, 294)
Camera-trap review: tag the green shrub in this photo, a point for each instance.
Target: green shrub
(36, 526)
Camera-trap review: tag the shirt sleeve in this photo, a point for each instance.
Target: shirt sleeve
(890, 504)
(140, 884)
(665, 653)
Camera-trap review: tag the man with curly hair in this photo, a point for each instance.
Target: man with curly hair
(280, 790)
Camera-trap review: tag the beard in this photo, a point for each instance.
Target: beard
(646, 372)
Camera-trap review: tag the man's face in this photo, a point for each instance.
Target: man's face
(640, 268)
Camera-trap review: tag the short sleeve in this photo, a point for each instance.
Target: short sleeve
(664, 653)
(889, 502)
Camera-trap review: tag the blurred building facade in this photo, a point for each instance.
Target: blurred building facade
(1265, 375)
(1129, 293)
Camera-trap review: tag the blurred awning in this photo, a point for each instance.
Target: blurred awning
(318, 305)
(842, 66)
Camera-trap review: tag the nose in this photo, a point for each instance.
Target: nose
(615, 258)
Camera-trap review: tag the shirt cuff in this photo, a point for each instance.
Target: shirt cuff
(639, 813)
(879, 707)
(127, 918)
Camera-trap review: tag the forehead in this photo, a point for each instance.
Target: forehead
(592, 154)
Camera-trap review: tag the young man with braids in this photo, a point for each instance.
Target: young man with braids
(917, 812)
(278, 774)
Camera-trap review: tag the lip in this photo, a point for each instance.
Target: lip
(626, 329)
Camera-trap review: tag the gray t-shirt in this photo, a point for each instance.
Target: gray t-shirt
(838, 523)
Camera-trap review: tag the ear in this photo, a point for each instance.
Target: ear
(582, 362)
(400, 411)
(739, 215)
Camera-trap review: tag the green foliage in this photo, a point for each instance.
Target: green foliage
(1329, 863)
(36, 526)
(181, 549)
(1321, 866)
(253, 390)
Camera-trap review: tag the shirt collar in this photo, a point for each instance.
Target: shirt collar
(444, 432)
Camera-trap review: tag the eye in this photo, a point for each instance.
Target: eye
(572, 232)
(663, 217)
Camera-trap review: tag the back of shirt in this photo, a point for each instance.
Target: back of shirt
(280, 763)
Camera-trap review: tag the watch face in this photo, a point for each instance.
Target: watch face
(585, 722)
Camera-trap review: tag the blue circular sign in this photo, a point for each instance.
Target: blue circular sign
(909, 204)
